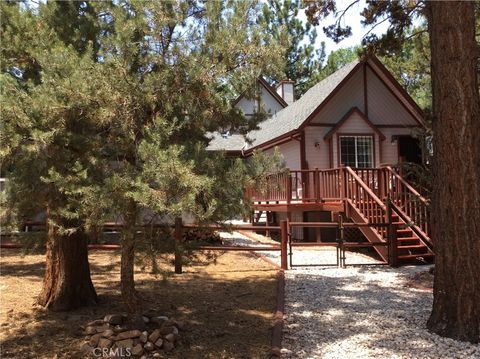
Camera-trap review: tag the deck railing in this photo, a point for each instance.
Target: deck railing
(366, 188)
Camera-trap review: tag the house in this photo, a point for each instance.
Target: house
(340, 141)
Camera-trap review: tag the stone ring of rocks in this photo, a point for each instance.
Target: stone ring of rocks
(113, 337)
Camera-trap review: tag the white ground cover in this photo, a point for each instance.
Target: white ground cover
(356, 312)
(362, 313)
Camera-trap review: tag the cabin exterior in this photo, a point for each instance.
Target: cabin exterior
(340, 142)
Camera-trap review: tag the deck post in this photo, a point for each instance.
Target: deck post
(289, 187)
(343, 182)
(391, 236)
(178, 240)
(283, 244)
(316, 184)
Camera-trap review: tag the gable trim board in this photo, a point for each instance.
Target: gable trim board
(420, 122)
(365, 90)
(395, 83)
(347, 116)
(330, 96)
(270, 90)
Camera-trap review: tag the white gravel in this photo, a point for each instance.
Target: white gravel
(356, 312)
(361, 313)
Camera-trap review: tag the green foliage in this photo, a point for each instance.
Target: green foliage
(49, 131)
(302, 59)
(115, 109)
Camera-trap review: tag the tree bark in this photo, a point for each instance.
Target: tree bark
(456, 168)
(127, 280)
(67, 283)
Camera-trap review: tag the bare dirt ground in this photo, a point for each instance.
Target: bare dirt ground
(228, 306)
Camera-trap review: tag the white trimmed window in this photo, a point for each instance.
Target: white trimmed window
(356, 151)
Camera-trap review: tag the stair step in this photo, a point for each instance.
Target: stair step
(403, 239)
(412, 246)
(416, 256)
(404, 230)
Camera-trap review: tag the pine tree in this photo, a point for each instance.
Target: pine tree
(167, 73)
(303, 60)
(49, 142)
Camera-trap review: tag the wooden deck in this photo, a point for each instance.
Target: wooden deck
(362, 194)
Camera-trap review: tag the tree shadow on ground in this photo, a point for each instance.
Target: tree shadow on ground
(228, 307)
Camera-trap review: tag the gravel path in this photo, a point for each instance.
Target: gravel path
(356, 312)
(362, 313)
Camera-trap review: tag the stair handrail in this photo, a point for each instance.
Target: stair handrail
(367, 208)
(365, 188)
(407, 185)
(416, 215)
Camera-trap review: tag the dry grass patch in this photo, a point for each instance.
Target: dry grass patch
(228, 305)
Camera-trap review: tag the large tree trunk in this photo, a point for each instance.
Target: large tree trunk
(127, 281)
(456, 166)
(67, 284)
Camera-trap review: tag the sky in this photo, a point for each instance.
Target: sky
(353, 19)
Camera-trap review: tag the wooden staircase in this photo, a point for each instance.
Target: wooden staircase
(407, 211)
(410, 247)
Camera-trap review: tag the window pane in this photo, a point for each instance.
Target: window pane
(364, 151)
(347, 151)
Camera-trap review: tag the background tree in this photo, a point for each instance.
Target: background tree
(456, 144)
(339, 58)
(303, 58)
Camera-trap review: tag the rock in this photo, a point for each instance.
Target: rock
(95, 323)
(181, 325)
(94, 340)
(149, 313)
(175, 330)
(159, 320)
(157, 355)
(144, 337)
(168, 346)
(149, 346)
(102, 328)
(137, 350)
(105, 343)
(113, 319)
(167, 329)
(145, 319)
(126, 343)
(90, 330)
(170, 337)
(118, 329)
(108, 333)
(154, 336)
(129, 334)
(86, 348)
(159, 343)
